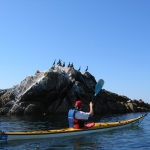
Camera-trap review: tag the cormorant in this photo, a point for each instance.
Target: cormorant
(86, 69)
(79, 68)
(63, 64)
(59, 62)
(54, 62)
(69, 64)
(72, 66)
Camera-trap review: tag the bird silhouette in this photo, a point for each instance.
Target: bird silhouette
(86, 69)
(54, 62)
(63, 64)
(69, 64)
(59, 62)
(79, 68)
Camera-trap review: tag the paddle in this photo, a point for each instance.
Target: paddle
(98, 87)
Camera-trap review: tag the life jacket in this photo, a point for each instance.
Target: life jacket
(73, 122)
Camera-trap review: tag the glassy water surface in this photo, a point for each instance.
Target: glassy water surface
(126, 138)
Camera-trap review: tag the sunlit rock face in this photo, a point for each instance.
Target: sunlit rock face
(55, 92)
(48, 92)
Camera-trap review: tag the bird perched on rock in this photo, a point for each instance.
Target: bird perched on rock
(79, 68)
(54, 62)
(86, 69)
(53, 66)
(72, 65)
(59, 62)
(63, 64)
(69, 64)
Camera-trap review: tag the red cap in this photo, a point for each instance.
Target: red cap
(78, 103)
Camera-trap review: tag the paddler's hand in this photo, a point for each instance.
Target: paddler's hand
(91, 109)
(91, 104)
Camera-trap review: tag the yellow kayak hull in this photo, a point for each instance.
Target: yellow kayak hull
(66, 132)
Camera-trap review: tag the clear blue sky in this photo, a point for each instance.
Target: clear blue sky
(112, 37)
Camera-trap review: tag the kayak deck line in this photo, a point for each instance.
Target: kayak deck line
(70, 131)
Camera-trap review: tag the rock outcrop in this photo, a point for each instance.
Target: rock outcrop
(55, 92)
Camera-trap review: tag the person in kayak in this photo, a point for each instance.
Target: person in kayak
(76, 117)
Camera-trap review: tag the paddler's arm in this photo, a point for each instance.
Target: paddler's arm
(91, 109)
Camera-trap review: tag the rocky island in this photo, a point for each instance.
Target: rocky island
(56, 90)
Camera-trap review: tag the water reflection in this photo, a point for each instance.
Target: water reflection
(86, 142)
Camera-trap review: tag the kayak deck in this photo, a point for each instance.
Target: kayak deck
(70, 131)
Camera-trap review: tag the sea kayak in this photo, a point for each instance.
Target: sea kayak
(66, 132)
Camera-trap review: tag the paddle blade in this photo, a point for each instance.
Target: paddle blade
(99, 86)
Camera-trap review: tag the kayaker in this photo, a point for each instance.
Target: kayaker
(76, 117)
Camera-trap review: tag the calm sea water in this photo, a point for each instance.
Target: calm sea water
(123, 139)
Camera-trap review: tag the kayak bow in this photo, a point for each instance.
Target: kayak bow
(98, 127)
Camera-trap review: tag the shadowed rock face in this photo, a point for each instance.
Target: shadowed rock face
(55, 92)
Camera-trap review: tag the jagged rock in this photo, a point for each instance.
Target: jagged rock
(142, 109)
(52, 108)
(142, 104)
(37, 72)
(34, 109)
(127, 108)
(120, 107)
(104, 109)
(4, 110)
(63, 108)
(3, 91)
(9, 104)
(56, 90)
(16, 110)
(123, 98)
(133, 106)
(112, 107)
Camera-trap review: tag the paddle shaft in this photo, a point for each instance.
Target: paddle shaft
(93, 99)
